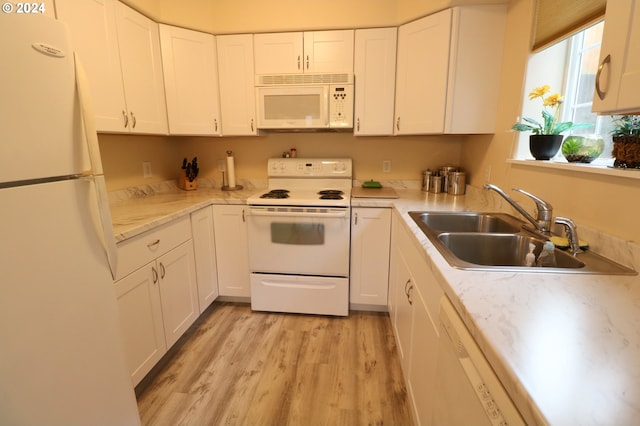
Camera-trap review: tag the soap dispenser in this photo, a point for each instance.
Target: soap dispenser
(530, 258)
(547, 256)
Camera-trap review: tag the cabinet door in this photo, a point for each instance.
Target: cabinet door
(278, 53)
(92, 24)
(423, 362)
(474, 68)
(375, 80)
(328, 51)
(232, 251)
(370, 239)
(138, 296)
(421, 80)
(205, 256)
(139, 44)
(619, 80)
(237, 86)
(178, 291)
(405, 289)
(189, 64)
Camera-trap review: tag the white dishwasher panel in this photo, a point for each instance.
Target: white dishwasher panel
(469, 392)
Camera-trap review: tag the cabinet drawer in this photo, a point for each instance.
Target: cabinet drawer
(138, 251)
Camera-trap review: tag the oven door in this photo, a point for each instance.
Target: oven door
(299, 240)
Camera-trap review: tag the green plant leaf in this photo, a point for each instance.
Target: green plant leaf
(571, 145)
(521, 127)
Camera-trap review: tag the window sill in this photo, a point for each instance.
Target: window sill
(598, 169)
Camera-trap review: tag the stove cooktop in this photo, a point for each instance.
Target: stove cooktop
(302, 197)
(307, 182)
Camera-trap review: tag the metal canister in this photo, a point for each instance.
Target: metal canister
(457, 183)
(436, 184)
(427, 175)
(444, 172)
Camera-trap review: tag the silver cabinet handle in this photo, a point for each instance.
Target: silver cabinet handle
(605, 61)
(398, 123)
(358, 124)
(162, 271)
(155, 243)
(133, 118)
(155, 275)
(215, 124)
(243, 218)
(355, 218)
(408, 291)
(252, 124)
(298, 61)
(307, 61)
(125, 118)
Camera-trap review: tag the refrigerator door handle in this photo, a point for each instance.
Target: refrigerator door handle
(86, 114)
(103, 214)
(102, 217)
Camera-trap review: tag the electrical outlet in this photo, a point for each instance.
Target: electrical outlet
(487, 175)
(386, 166)
(146, 169)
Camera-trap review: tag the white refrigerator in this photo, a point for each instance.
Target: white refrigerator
(61, 356)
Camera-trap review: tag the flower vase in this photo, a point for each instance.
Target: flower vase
(544, 147)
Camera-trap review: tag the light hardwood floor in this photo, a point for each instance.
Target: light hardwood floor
(238, 367)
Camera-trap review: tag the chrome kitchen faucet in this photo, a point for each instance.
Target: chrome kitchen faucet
(544, 209)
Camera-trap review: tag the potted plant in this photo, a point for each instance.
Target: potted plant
(582, 149)
(546, 139)
(626, 141)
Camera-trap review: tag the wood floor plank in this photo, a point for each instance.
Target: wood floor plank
(238, 367)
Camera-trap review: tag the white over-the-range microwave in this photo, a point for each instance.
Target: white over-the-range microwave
(304, 101)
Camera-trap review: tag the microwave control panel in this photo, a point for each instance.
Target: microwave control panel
(341, 106)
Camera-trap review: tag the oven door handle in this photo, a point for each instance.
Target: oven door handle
(300, 214)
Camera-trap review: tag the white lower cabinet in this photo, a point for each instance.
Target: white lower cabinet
(142, 331)
(370, 240)
(157, 297)
(232, 250)
(414, 316)
(205, 255)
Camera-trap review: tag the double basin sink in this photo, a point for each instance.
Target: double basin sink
(498, 242)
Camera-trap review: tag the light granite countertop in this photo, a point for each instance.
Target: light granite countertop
(566, 347)
(136, 210)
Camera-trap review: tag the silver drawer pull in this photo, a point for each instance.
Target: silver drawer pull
(155, 243)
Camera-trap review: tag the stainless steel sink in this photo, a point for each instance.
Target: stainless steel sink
(467, 222)
(498, 242)
(500, 249)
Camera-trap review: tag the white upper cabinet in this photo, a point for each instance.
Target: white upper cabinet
(618, 78)
(375, 80)
(190, 71)
(120, 51)
(448, 71)
(139, 42)
(92, 24)
(237, 88)
(310, 51)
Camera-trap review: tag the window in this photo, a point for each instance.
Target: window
(569, 67)
(584, 53)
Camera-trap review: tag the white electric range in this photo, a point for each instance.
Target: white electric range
(299, 232)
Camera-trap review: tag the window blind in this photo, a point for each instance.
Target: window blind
(558, 19)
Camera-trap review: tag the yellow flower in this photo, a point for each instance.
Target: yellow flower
(538, 92)
(552, 100)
